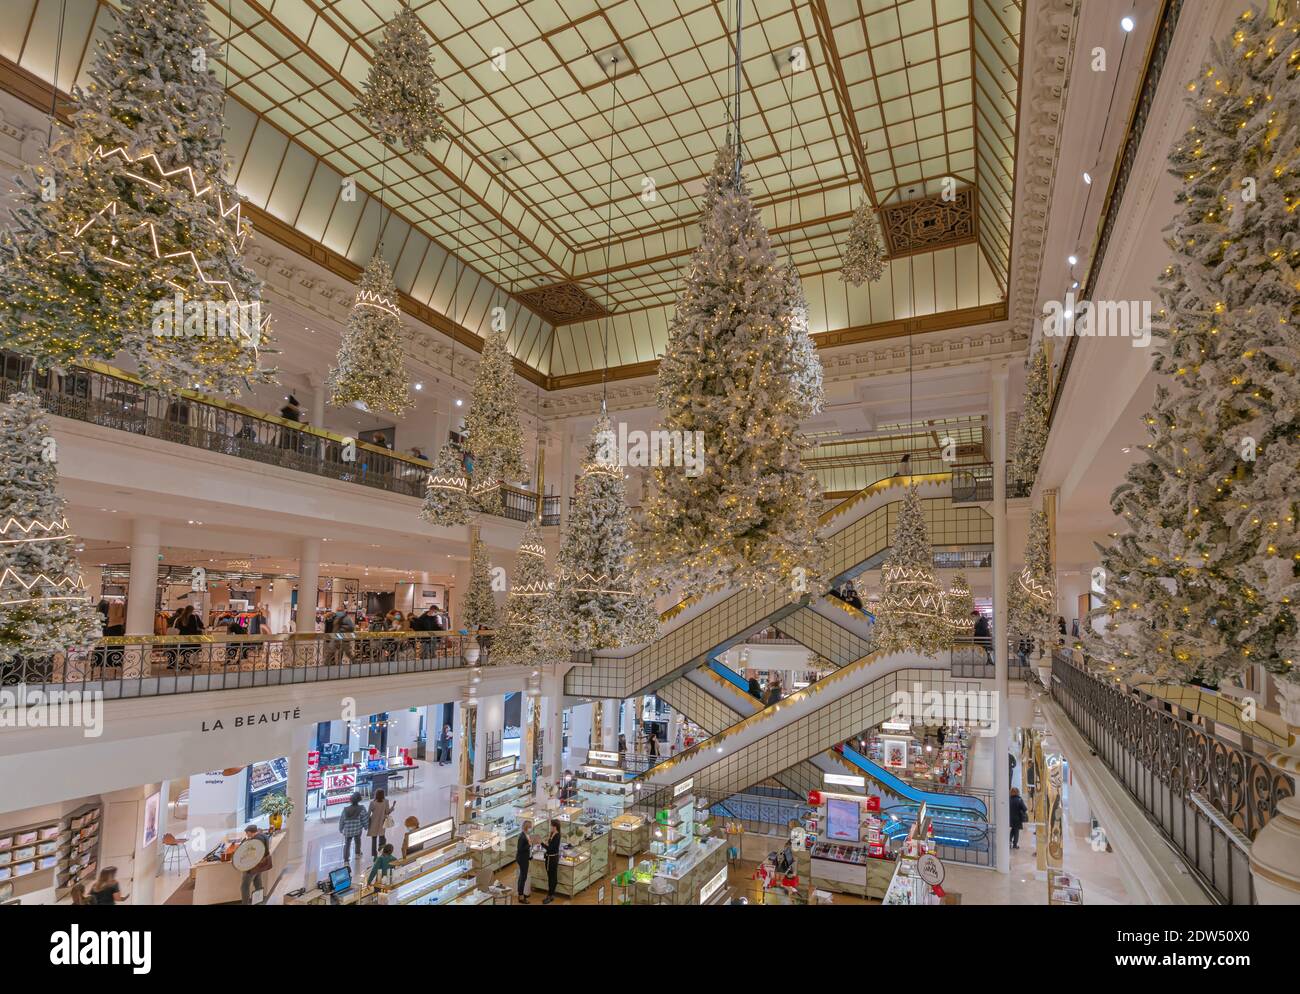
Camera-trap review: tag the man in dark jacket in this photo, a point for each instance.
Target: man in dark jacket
(1019, 815)
(523, 853)
(983, 634)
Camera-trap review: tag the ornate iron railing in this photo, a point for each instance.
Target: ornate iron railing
(100, 395)
(161, 665)
(1210, 797)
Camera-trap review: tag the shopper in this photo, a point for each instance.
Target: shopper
(983, 634)
(381, 819)
(523, 854)
(755, 689)
(383, 863)
(352, 822)
(411, 824)
(77, 894)
(653, 747)
(552, 861)
(1019, 815)
(106, 889)
(251, 880)
(773, 692)
(622, 747)
(444, 746)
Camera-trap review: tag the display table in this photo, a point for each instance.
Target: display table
(580, 867)
(866, 877)
(631, 835)
(217, 881)
(683, 885)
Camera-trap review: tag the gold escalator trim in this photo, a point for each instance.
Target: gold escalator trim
(812, 690)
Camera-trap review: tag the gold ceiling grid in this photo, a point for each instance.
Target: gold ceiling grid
(924, 103)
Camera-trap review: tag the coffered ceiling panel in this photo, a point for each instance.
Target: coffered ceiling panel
(581, 132)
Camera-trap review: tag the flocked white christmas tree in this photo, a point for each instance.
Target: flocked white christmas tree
(43, 606)
(1031, 431)
(1031, 595)
(959, 602)
(129, 209)
(600, 602)
(446, 491)
(1203, 584)
(807, 364)
(911, 616)
(525, 637)
(400, 96)
(864, 249)
(496, 441)
(371, 363)
(729, 373)
(479, 609)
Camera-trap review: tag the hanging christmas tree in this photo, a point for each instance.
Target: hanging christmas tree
(959, 602)
(525, 638)
(864, 251)
(729, 374)
(400, 96)
(496, 441)
(371, 364)
(480, 607)
(1031, 432)
(1204, 582)
(803, 353)
(127, 237)
(1031, 597)
(911, 616)
(600, 603)
(43, 607)
(446, 492)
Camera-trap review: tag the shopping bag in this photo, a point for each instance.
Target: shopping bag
(258, 897)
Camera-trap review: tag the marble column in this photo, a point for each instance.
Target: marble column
(609, 725)
(552, 753)
(295, 825)
(142, 588)
(1002, 738)
(491, 722)
(308, 584)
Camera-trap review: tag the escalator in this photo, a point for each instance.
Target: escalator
(857, 531)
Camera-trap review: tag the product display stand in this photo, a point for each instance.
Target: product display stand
(584, 856)
(684, 854)
(440, 872)
(1063, 888)
(495, 809)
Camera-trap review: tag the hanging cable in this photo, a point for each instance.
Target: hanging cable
(54, 84)
(456, 285)
(609, 234)
(739, 153)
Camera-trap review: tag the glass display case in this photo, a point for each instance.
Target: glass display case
(631, 834)
(602, 786)
(441, 875)
(584, 856)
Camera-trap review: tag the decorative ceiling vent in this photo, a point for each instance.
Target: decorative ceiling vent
(561, 303)
(929, 223)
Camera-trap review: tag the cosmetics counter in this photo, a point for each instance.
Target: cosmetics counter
(844, 849)
(495, 809)
(684, 853)
(584, 855)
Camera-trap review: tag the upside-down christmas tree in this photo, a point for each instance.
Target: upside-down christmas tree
(371, 363)
(43, 607)
(730, 374)
(1031, 595)
(480, 607)
(911, 615)
(496, 441)
(959, 602)
(400, 96)
(600, 603)
(1204, 582)
(129, 212)
(864, 249)
(1031, 431)
(446, 491)
(525, 636)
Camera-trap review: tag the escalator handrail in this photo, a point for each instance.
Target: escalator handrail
(903, 789)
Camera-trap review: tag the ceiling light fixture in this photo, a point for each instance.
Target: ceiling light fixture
(1072, 259)
(1127, 23)
(1087, 177)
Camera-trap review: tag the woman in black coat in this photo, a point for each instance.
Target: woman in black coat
(1019, 815)
(552, 861)
(523, 853)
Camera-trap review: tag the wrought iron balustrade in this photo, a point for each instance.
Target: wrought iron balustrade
(109, 398)
(974, 484)
(1210, 797)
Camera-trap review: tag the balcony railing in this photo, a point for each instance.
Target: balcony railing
(161, 665)
(101, 395)
(973, 660)
(974, 484)
(1209, 796)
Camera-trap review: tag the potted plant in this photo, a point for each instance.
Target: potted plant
(276, 806)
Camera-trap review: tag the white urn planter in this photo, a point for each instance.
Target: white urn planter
(1275, 853)
(472, 652)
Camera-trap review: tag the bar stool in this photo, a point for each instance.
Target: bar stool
(173, 848)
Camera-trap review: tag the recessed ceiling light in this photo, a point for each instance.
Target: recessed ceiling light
(1126, 449)
(1072, 259)
(1074, 285)
(1127, 23)
(419, 386)
(1087, 177)
(459, 402)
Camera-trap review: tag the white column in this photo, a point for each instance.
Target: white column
(1002, 740)
(317, 417)
(609, 725)
(295, 825)
(491, 721)
(674, 723)
(142, 589)
(553, 717)
(308, 582)
(630, 706)
(579, 733)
